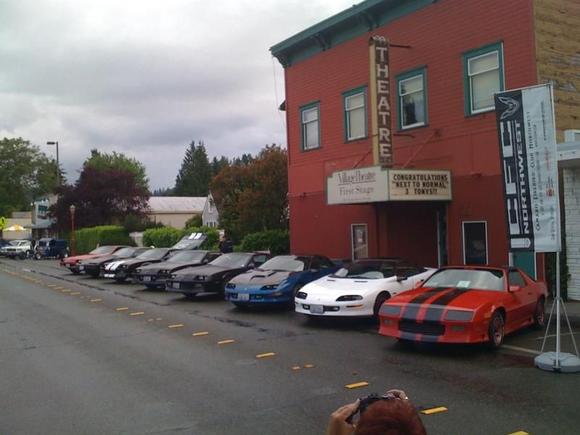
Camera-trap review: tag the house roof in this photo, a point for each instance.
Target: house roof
(177, 204)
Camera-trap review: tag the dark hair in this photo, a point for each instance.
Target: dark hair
(390, 417)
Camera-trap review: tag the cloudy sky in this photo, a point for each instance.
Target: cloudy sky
(146, 77)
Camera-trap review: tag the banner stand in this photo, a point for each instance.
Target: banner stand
(558, 361)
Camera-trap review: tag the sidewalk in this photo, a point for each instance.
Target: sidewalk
(572, 308)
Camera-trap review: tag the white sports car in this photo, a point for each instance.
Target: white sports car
(360, 288)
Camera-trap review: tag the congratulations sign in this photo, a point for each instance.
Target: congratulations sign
(419, 185)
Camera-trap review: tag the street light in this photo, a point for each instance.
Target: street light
(57, 164)
(72, 227)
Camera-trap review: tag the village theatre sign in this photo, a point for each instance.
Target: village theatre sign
(377, 184)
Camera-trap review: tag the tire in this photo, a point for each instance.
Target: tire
(496, 330)
(37, 256)
(540, 314)
(22, 255)
(379, 302)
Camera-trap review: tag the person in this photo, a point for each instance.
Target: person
(226, 245)
(389, 414)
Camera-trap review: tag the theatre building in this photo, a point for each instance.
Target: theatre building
(392, 140)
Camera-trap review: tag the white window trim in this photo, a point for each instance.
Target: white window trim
(463, 239)
(348, 110)
(499, 52)
(303, 111)
(401, 95)
(569, 135)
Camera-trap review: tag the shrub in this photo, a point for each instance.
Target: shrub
(277, 241)
(162, 237)
(194, 222)
(88, 239)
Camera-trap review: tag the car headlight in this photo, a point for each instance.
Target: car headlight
(347, 298)
(201, 278)
(390, 310)
(459, 315)
(269, 287)
(230, 285)
(173, 276)
(163, 272)
(301, 295)
(138, 270)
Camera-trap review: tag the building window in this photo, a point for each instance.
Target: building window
(310, 126)
(359, 238)
(572, 135)
(475, 242)
(483, 78)
(412, 105)
(355, 114)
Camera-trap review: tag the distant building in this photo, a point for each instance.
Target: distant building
(175, 211)
(210, 216)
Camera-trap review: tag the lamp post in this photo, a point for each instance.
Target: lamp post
(57, 163)
(72, 227)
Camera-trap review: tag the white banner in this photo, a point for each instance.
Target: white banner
(527, 139)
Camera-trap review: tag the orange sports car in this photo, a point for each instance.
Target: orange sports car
(466, 304)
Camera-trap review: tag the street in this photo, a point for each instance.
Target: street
(90, 356)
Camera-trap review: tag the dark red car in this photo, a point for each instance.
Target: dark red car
(72, 263)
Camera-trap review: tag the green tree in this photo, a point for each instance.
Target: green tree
(218, 164)
(25, 174)
(118, 162)
(195, 173)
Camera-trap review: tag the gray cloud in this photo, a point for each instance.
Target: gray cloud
(146, 77)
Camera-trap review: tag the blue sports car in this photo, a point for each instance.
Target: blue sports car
(277, 280)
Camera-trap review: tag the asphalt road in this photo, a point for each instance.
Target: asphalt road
(87, 356)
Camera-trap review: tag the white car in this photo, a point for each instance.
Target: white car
(360, 288)
(17, 248)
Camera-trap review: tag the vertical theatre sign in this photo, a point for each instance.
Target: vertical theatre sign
(380, 101)
(527, 139)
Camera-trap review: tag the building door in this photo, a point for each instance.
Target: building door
(441, 217)
(475, 242)
(526, 261)
(360, 241)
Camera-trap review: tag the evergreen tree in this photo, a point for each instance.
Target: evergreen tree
(218, 164)
(195, 173)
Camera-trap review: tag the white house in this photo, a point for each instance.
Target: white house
(174, 211)
(210, 216)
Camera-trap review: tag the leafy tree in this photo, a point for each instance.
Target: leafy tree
(218, 164)
(253, 197)
(25, 174)
(101, 197)
(120, 163)
(163, 191)
(195, 173)
(194, 221)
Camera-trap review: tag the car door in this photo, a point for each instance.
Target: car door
(523, 300)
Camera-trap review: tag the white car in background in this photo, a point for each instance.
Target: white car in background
(17, 249)
(360, 288)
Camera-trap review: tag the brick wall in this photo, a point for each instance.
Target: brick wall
(572, 210)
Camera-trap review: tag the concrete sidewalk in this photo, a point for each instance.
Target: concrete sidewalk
(572, 308)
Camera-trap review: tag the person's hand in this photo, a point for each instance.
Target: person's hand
(337, 424)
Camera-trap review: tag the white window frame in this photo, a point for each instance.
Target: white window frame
(463, 239)
(401, 95)
(570, 135)
(303, 124)
(468, 77)
(347, 111)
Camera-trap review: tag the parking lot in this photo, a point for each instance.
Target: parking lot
(203, 366)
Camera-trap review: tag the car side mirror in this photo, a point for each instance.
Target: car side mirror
(419, 283)
(514, 288)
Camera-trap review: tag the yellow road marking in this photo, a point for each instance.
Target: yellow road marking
(137, 313)
(226, 341)
(159, 318)
(65, 290)
(357, 385)
(308, 366)
(52, 285)
(296, 368)
(434, 410)
(519, 432)
(265, 355)
(177, 325)
(96, 300)
(122, 309)
(58, 288)
(200, 333)
(74, 293)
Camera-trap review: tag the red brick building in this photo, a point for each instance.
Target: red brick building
(446, 60)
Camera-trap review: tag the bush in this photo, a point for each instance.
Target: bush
(162, 237)
(277, 241)
(88, 239)
(194, 222)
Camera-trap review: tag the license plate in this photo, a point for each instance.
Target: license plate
(175, 285)
(146, 278)
(243, 296)
(316, 309)
(109, 275)
(81, 267)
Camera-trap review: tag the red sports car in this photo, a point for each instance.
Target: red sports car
(466, 304)
(72, 263)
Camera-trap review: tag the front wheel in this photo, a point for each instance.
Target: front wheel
(496, 330)
(540, 314)
(379, 303)
(37, 256)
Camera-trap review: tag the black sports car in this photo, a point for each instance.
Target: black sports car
(95, 266)
(124, 269)
(212, 277)
(154, 275)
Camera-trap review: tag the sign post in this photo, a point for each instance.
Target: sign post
(527, 139)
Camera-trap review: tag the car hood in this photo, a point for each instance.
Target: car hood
(167, 265)
(260, 277)
(207, 270)
(101, 259)
(333, 287)
(133, 262)
(77, 258)
(461, 298)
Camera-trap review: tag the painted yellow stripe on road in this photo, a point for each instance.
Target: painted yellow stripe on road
(122, 309)
(74, 293)
(96, 300)
(65, 290)
(52, 285)
(434, 410)
(226, 341)
(137, 313)
(265, 355)
(296, 368)
(519, 432)
(58, 288)
(177, 325)
(357, 385)
(200, 333)
(308, 366)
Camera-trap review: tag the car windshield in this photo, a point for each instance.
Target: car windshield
(185, 256)
(23, 243)
(43, 242)
(367, 270)
(103, 250)
(286, 263)
(233, 259)
(153, 254)
(125, 252)
(480, 279)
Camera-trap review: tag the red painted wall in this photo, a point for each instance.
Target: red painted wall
(438, 34)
